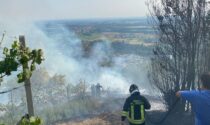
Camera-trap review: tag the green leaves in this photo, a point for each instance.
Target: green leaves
(39, 57)
(26, 74)
(20, 77)
(32, 121)
(18, 56)
(33, 67)
(16, 45)
(5, 51)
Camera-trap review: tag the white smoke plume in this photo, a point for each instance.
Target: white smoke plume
(64, 55)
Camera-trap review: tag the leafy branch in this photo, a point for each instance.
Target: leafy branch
(19, 56)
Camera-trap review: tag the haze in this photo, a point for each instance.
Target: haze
(70, 9)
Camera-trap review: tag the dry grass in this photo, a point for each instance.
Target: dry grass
(94, 121)
(103, 119)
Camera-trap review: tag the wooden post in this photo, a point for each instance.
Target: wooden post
(27, 85)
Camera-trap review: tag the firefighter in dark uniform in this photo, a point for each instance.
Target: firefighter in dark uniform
(134, 107)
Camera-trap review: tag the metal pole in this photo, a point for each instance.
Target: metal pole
(27, 85)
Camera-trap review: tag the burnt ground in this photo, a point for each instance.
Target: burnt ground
(114, 119)
(111, 116)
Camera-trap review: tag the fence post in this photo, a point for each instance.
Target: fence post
(27, 85)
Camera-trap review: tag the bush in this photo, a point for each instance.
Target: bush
(30, 121)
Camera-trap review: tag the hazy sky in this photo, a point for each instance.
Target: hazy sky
(70, 9)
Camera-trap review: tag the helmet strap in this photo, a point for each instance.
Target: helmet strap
(136, 90)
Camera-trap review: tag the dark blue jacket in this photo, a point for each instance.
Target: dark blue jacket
(134, 109)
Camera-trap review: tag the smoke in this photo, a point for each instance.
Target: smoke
(64, 54)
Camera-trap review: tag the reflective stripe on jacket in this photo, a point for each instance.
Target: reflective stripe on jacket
(134, 108)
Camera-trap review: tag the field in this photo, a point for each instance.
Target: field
(134, 36)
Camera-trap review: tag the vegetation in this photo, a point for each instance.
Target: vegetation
(54, 99)
(183, 43)
(31, 121)
(17, 56)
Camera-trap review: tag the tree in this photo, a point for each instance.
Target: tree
(20, 57)
(178, 61)
(206, 51)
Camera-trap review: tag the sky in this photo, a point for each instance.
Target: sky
(70, 9)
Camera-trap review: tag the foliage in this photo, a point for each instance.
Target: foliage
(64, 103)
(32, 121)
(17, 56)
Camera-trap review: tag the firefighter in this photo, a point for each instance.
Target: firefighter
(134, 107)
(98, 89)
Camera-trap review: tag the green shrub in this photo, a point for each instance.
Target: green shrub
(31, 121)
